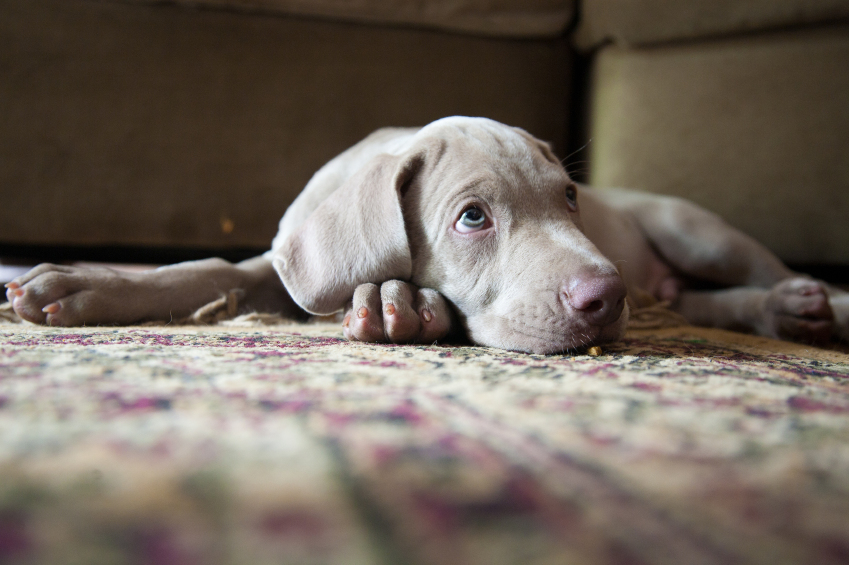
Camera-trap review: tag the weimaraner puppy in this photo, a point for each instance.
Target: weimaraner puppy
(472, 227)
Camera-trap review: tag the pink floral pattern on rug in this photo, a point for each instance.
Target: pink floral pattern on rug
(214, 445)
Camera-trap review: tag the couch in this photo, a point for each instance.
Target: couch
(739, 106)
(191, 125)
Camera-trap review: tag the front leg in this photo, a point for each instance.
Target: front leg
(397, 312)
(73, 296)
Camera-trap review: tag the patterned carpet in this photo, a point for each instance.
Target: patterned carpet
(287, 445)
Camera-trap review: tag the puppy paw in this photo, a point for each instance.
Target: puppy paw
(798, 309)
(397, 312)
(59, 295)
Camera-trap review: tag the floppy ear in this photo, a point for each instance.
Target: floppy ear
(355, 236)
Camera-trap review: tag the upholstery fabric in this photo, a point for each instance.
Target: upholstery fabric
(754, 128)
(159, 125)
(640, 22)
(503, 18)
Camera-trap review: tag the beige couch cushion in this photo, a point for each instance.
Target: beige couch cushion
(756, 129)
(638, 22)
(512, 18)
(155, 125)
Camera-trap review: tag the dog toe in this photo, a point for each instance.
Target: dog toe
(400, 321)
(30, 299)
(798, 309)
(72, 296)
(364, 321)
(397, 312)
(435, 315)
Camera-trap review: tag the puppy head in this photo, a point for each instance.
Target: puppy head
(483, 213)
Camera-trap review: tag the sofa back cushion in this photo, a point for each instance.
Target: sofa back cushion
(640, 22)
(511, 18)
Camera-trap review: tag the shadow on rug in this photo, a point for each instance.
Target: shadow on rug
(286, 444)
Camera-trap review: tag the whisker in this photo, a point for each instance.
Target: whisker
(584, 146)
(520, 327)
(577, 167)
(577, 172)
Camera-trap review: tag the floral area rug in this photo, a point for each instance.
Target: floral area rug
(288, 445)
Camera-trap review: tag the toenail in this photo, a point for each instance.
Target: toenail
(389, 309)
(52, 308)
(346, 321)
(362, 312)
(427, 315)
(12, 285)
(18, 292)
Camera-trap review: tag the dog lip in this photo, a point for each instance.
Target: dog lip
(536, 342)
(594, 335)
(551, 337)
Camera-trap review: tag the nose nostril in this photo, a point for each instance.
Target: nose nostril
(598, 300)
(593, 306)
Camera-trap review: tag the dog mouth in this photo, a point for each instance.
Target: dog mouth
(573, 341)
(547, 338)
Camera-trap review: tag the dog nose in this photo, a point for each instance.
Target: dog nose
(598, 299)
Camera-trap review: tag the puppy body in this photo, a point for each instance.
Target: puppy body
(471, 226)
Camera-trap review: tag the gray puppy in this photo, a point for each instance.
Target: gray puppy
(468, 226)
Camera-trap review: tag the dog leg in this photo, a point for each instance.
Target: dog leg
(73, 296)
(700, 244)
(797, 309)
(766, 296)
(397, 312)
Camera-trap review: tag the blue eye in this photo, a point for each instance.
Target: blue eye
(471, 220)
(473, 217)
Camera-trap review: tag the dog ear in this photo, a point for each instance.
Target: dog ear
(355, 236)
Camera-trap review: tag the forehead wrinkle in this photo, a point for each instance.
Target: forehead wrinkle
(520, 194)
(454, 195)
(522, 172)
(504, 174)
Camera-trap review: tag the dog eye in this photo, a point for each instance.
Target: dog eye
(471, 220)
(572, 196)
